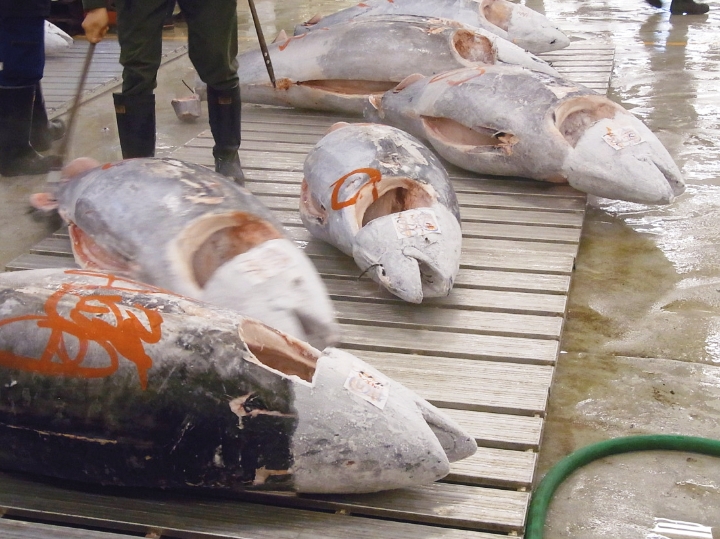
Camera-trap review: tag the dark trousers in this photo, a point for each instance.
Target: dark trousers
(22, 51)
(212, 41)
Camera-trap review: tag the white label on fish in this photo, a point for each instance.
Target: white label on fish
(626, 137)
(368, 386)
(264, 262)
(418, 222)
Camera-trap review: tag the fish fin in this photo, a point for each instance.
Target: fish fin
(407, 81)
(44, 202)
(282, 36)
(336, 125)
(313, 20)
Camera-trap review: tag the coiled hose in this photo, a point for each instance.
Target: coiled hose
(558, 473)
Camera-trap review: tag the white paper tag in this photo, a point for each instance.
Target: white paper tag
(419, 222)
(264, 262)
(368, 386)
(627, 136)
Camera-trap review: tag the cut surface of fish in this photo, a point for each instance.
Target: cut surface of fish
(510, 121)
(217, 242)
(380, 196)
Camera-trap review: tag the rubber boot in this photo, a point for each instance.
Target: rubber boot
(690, 7)
(17, 156)
(224, 117)
(135, 116)
(44, 132)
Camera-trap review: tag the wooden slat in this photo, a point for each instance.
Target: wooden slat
(188, 516)
(468, 384)
(495, 467)
(503, 431)
(18, 529)
(463, 298)
(448, 320)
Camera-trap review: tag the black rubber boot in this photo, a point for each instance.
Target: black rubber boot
(17, 156)
(689, 7)
(135, 116)
(43, 131)
(655, 3)
(224, 117)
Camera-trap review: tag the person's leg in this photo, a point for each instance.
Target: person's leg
(689, 7)
(22, 59)
(213, 49)
(139, 25)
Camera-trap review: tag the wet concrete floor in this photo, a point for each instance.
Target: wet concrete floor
(641, 347)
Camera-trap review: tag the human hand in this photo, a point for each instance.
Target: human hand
(96, 24)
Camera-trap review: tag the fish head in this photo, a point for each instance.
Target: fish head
(241, 261)
(361, 431)
(525, 27)
(614, 154)
(408, 242)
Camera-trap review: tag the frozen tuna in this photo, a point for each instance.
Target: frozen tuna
(382, 197)
(110, 381)
(516, 23)
(187, 229)
(338, 68)
(510, 121)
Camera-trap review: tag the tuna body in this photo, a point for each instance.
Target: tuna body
(516, 23)
(110, 381)
(336, 69)
(187, 229)
(381, 196)
(510, 121)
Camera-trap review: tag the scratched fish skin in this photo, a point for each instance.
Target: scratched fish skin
(337, 69)
(510, 121)
(514, 22)
(187, 229)
(111, 381)
(380, 196)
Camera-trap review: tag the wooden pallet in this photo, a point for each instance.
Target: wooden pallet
(485, 354)
(60, 78)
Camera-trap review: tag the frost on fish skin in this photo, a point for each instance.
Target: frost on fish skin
(208, 222)
(228, 403)
(508, 121)
(508, 20)
(381, 196)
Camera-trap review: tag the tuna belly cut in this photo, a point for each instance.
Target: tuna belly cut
(407, 240)
(336, 95)
(479, 149)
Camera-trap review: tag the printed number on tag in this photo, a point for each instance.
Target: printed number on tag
(368, 386)
(419, 222)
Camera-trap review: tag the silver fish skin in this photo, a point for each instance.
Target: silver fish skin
(112, 381)
(337, 68)
(187, 229)
(516, 23)
(380, 196)
(510, 121)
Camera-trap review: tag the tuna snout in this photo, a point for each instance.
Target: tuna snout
(456, 443)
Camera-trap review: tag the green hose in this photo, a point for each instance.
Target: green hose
(558, 473)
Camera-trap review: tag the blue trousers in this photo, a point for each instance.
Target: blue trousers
(22, 51)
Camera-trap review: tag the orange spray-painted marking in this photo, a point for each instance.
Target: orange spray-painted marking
(374, 177)
(123, 337)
